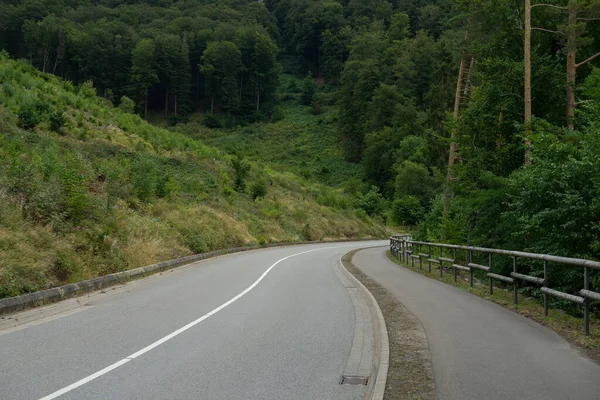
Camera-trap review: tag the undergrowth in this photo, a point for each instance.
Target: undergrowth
(87, 189)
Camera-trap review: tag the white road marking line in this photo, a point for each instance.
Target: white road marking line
(170, 336)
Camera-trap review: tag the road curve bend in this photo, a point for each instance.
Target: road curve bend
(266, 324)
(481, 350)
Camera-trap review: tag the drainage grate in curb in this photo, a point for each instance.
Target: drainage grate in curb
(354, 380)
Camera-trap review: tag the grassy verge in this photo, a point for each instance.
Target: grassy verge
(410, 373)
(568, 326)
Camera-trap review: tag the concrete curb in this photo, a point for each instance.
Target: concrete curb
(18, 303)
(381, 353)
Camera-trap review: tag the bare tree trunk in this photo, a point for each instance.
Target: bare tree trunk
(571, 67)
(527, 80)
(212, 104)
(452, 152)
(175, 103)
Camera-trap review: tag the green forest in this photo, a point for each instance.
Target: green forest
(465, 121)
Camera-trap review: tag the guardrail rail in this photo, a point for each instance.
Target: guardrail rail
(407, 251)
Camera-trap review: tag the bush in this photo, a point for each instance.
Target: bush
(241, 168)
(211, 121)
(407, 210)
(127, 105)
(308, 90)
(277, 115)
(57, 121)
(372, 202)
(31, 114)
(258, 189)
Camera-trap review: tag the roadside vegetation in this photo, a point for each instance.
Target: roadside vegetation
(88, 189)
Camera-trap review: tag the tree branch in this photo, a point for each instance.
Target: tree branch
(588, 19)
(587, 61)
(549, 5)
(548, 30)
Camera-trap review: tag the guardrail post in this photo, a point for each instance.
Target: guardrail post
(491, 270)
(441, 262)
(470, 259)
(545, 285)
(454, 258)
(586, 302)
(420, 258)
(429, 258)
(515, 281)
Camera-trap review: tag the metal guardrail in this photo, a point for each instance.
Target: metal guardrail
(407, 250)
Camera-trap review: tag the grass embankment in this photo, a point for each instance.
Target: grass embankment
(87, 189)
(568, 326)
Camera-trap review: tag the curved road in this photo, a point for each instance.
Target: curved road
(481, 350)
(265, 324)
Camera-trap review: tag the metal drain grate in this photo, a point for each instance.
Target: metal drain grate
(354, 380)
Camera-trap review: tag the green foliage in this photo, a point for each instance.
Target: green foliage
(31, 114)
(127, 105)
(241, 168)
(212, 121)
(407, 210)
(308, 90)
(113, 192)
(258, 189)
(372, 202)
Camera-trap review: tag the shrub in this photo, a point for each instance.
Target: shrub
(31, 114)
(308, 90)
(127, 105)
(241, 168)
(407, 210)
(258, 189)
(211, 121)
(277, 115)
(372, 202)
(57, 121)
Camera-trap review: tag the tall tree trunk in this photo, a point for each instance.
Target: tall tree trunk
(175, 103)
(212, 104)
(571, 67)
(146, 105)
(527, 80)
(452, 151)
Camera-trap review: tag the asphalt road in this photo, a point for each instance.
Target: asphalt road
(481, 350)
(225, 328)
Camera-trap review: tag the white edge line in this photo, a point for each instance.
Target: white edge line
(170, 336)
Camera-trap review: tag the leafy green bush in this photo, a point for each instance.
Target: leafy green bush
(372, 202)
(31, 114)
(407, 210)
(211, 121)
(127, 105)
(258, 189)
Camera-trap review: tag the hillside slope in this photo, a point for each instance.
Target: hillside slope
(87, 189)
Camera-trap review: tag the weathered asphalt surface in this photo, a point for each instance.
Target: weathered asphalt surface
(287, 338)
(481, 350)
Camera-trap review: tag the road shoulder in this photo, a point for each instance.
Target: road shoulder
(410, 369)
